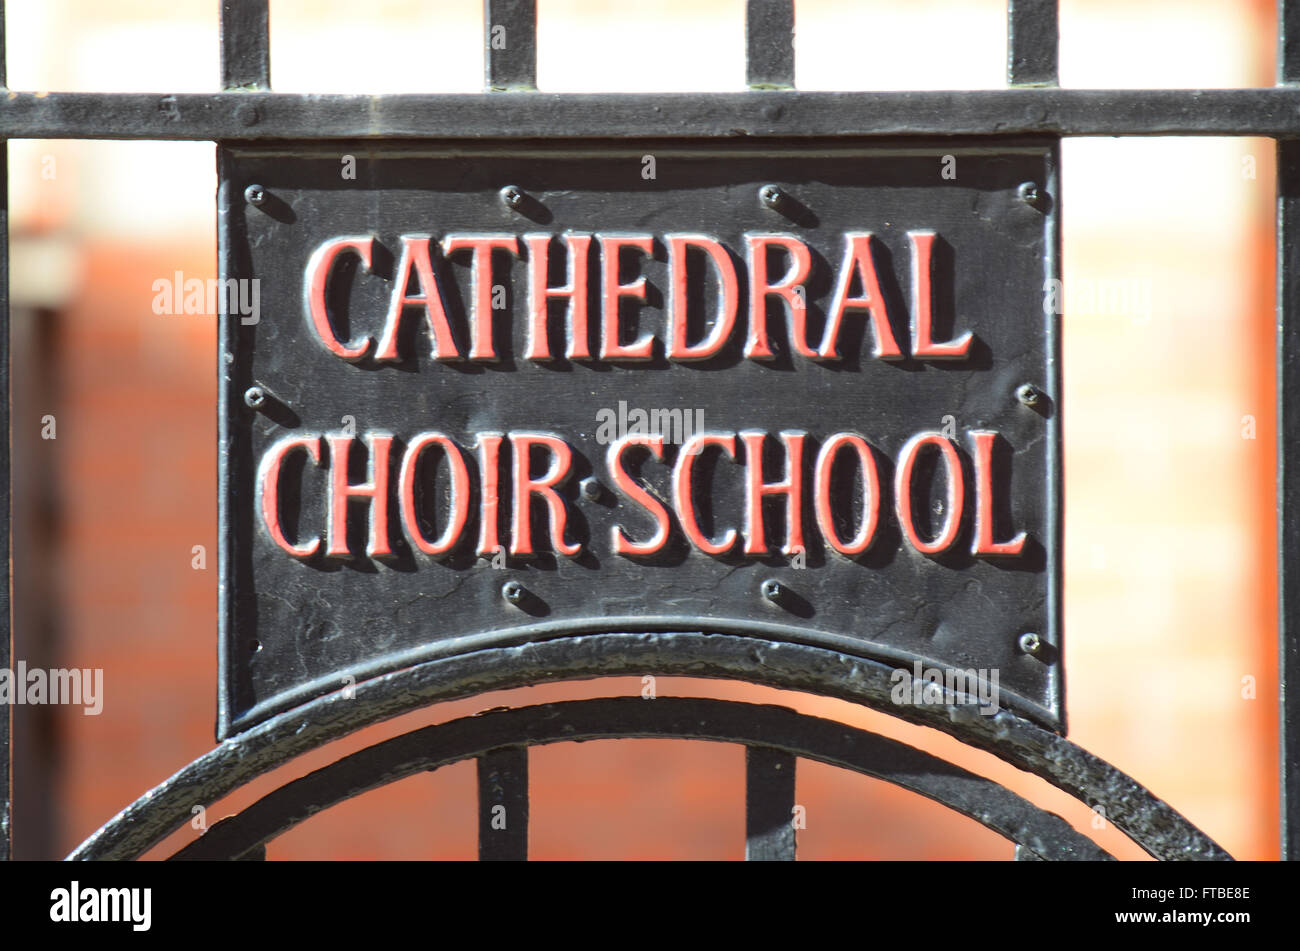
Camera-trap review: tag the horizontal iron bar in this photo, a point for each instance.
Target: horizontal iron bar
(1271, 111)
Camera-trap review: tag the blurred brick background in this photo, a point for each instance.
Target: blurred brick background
(1170, 593)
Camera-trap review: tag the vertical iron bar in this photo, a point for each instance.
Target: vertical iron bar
(1288, 446)
(1032, 40)
(769, 44)
(510, 50)
(1288, 486)
(245, 44)
(503, 805)
(6, 555)
(1288, 41)
(6, 615)
(769, 805)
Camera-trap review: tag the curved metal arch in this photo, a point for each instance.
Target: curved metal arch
(1046, 835)
(539, 631)
(1152, 823)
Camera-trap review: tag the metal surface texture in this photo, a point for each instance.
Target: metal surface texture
(789, 114)
(770, 822)
(1288, 41)
(769, 44)
(1288, 445)
(6, 503)
(1151, 823)
(1288, 478)
(502, 790)
(6, 484)
(1032, 41)
(773, 736)
(510, 36)
(946, 381)
(436, 163)
(245, 44)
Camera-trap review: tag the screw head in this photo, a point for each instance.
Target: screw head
(1029, 394)
(512, 591)
(770, 195)
(771, 589)
(247, 114)
(1029, 193)
(1031, 643)
(590, 488)
(512, 196)
(254, 397)
(255, 195)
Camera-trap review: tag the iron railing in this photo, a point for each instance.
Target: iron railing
(771, 111)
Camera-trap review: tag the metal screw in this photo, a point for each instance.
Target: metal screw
(254, 397)
(771, 589)
(255, 194)
(512, 591)
(247, 114)
(512, 196)
(590, 489)
(1031, 644)
(771, 196)
(1029, 394)
(1029, 193)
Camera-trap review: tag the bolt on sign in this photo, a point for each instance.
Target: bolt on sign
(500, 396)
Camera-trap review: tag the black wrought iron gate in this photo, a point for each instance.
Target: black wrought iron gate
(771, 114)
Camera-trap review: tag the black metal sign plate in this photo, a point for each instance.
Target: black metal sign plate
(495, 395)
